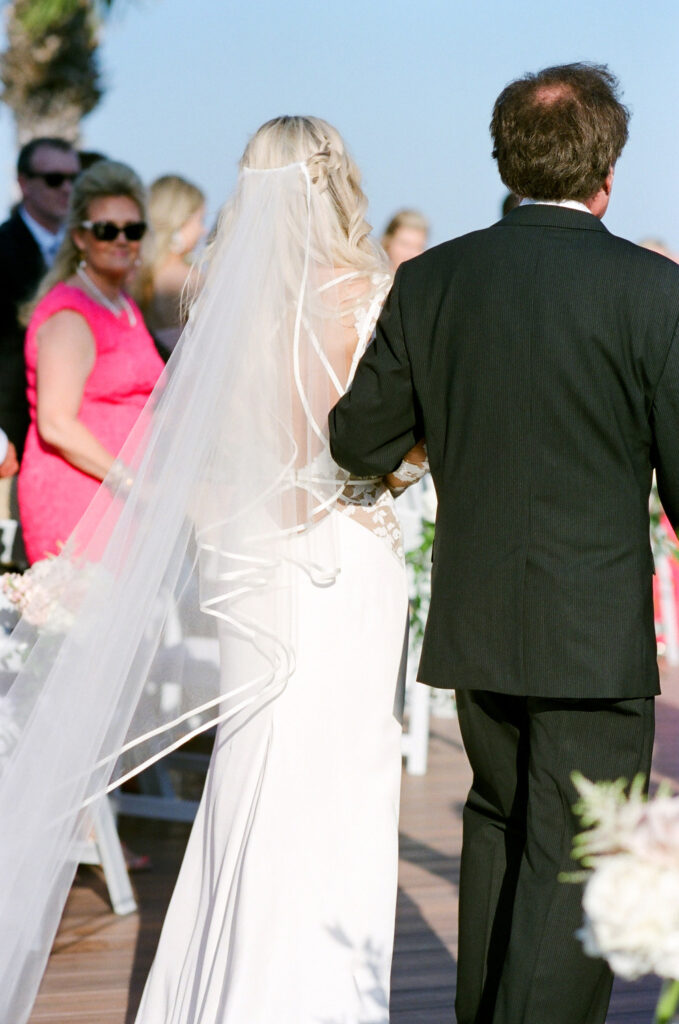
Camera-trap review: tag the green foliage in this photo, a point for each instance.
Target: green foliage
(42, 16)
(50, 69)
(419, 564)
(667, 1002)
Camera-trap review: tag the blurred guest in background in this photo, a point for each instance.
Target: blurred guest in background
(176, 221)
(95, 365)
(656, 245)
(405, 236)
(88, 157)
(29, 240)
(510, 202)
(9, 464)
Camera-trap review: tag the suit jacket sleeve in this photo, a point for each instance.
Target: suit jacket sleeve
(665, 424)
(378, 421)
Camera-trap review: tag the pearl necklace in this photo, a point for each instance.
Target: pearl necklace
(123, 304)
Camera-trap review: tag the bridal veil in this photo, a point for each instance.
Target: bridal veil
(227, 464)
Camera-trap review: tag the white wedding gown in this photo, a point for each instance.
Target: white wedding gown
(284, 907)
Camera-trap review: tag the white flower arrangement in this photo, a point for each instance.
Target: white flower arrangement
(47, 595)
(631, 895)
(11, 658)
(34, 595)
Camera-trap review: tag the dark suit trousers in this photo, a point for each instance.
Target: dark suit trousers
(518, 960)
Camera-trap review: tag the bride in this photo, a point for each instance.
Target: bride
(225, 509)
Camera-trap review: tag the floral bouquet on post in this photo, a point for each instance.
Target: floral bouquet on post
(631, 897)
(46, 595)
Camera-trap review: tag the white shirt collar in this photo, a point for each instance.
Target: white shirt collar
(569, 204)
(4, 446)
(47, 242)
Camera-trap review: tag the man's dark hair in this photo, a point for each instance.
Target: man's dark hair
(557, 133)
(24, 165)
(88, 157)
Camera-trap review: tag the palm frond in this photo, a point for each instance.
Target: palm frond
(40, 16)
(51, 78)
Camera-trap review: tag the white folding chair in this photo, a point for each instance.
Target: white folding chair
(8, 534)
(104, 848)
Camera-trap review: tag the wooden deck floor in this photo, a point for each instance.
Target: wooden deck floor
(98, 966)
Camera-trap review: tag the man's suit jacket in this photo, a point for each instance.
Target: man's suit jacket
(540, 360)
(21, 268)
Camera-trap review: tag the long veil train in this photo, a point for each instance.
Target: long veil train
(230, 461)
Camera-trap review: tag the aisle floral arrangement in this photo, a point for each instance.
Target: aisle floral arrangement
(39, 594)
(630, 850)
(418, 560)
(44, 596)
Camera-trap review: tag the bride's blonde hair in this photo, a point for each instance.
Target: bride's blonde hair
(341, 202)
(310, 140)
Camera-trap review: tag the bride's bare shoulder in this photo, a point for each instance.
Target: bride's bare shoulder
(346, 288)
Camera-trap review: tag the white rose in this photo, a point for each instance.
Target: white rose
(632, 916)
(656, 836)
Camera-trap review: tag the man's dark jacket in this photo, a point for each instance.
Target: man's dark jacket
(21, 268)
(540, 360)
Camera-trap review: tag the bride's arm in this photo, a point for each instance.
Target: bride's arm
(413, 467)
(378, 421)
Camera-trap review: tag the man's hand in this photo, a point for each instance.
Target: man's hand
(10, 466)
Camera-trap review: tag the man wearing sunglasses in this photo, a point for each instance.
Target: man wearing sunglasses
(29, 241)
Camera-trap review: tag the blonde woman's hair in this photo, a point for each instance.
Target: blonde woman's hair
(346, 233)
(172, 202)
(404, 219)
(104, 178)
(310, 140)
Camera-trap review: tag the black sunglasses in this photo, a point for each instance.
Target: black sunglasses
(53, 179)
(108, 231)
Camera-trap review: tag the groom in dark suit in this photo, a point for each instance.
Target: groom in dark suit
(539, 359)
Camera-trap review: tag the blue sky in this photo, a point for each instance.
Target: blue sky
(409, 83)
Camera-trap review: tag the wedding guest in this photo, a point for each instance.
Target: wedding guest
(662, 610)
(88, 157)
(405, 236)
(9, 465)
(510, 202)
(176, 221)
(656, 245)
(90, 362)
(29, 240)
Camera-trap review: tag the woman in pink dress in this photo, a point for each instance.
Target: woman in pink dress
(90, 362)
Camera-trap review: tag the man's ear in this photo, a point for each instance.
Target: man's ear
(608, 183)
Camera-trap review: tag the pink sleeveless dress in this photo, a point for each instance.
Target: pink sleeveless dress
(53, 494)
